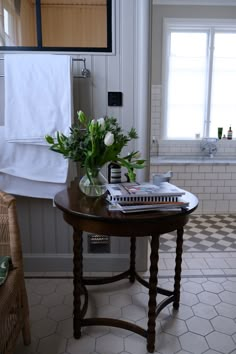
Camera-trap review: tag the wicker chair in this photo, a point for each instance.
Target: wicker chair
(14, 310)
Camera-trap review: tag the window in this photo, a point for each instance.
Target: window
(56, 25)
(199, 78)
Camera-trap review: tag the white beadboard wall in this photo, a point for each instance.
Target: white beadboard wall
(213, 183)
(46, 238)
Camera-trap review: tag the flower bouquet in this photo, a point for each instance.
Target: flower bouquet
(93, 143)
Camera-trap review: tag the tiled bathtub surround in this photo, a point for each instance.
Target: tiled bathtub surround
(213, 181)
(213, 184)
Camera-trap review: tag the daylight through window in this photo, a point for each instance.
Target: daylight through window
(199, 79)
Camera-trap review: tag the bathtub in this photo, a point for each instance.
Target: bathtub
(212, 180)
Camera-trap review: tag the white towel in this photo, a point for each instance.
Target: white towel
(38, 94)
(32, 162)
(37, 103)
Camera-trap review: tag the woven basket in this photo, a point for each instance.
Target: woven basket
(14, 310)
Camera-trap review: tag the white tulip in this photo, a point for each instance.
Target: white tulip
(109, 139)
(101, 122)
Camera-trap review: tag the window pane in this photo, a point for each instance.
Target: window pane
(223, 103)
(186, 84)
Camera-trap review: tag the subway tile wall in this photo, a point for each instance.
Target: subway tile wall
(155, 118)
(214, 184)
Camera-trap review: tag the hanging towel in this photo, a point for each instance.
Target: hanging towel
(38, 94)
(40, 107)
(21, 174)
(32, 162)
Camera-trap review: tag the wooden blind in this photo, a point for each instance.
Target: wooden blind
(74, 26)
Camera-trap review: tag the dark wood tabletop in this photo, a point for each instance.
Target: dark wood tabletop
(93, 215)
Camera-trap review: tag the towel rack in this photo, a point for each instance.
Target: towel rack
(85, 73)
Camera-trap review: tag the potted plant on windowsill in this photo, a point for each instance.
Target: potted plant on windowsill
(93, 143)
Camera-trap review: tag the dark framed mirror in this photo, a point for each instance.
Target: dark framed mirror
(56, 25)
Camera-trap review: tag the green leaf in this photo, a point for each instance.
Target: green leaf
(49, 139)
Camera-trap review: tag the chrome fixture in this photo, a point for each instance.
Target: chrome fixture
(85, 72)
(209, 146)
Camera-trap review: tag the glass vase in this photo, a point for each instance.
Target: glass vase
(93, 183)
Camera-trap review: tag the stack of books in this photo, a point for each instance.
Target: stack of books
(135, 197)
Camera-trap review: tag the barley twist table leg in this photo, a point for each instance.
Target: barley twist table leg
(151, 333)
(78, 272)
(178, 262)
(132, 259)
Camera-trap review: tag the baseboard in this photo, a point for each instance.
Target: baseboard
(91, 262)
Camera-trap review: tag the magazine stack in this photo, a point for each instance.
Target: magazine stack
(135, 197)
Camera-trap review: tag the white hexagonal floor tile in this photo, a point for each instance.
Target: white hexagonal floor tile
(52, 344)
(188, 299)
(199, 325)
(38, 312)
(228, 297)
(141, 300)
(99, 299)
(183, 313)
(83, 345)
(34, 299)
(43, 328)
(209, 298)
(53, 299)
(135, 344)
(205, 311)
(220, 342)
(213, 287)
(68, 299)
(192, 287)
(109, 311)
(45, 288)
(230, 286)
(167, 343)
(65, 328)
(133, 312)
(226, 310)
(109, 343)
(224, 325)
(174, 326)
(194, 343)
(60, 312)
(65, 287)
(120, 300)
(96, 331)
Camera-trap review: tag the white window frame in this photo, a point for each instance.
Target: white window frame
(181, 24)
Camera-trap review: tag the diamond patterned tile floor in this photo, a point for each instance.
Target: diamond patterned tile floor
(205, 322)
(206, 233)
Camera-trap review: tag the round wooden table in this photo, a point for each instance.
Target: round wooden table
(92, 215)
